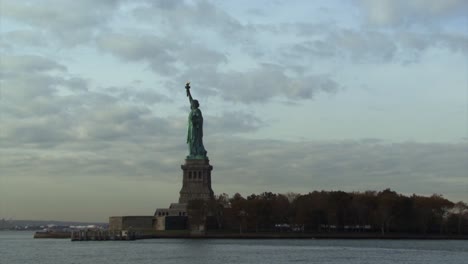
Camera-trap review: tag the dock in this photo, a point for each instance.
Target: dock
(55, 234)
(102, 235)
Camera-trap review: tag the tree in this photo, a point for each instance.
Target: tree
(364, 205)
(237, 214)
(197, 210)
(216, 209)
(338, 207)
(385, 211)
(387, 201)
(460, 210)
(310, 210)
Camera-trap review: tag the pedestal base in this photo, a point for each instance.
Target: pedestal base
(196, 180)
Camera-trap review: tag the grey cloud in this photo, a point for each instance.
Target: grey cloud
(152, 49)
(76, 84)
(35, 114)
(93, 133)
(352, 45)
(30, 83)
(232, 122)
(197, 55)
(209, 15)
(147, 97)
(167, 4)
(128, 160)
(87, 132)
(139, 96)
(311, 42)
(72, 22)
(114, 122)
(43, 132)
(419, 42)
(350, 165)
(456, 43)
(25, 37)
(372, 46)
(84, 118)
(5, 47)
(406, 13)
(28, 63)
(249, 165)
(256, 12)
(31, 86)
(162, 54)
(262, 84)
(135, 48)
(184, 16)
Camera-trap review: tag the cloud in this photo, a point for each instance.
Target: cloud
(182, 17)
(44, 106)
(372, 46)
(240, 165)
(352, 45)
(202, 65)
(346, 165)
(55, 124)
(138, 96)
(29, 79)
(164, 55)
(196, 55)
(25, 38)
(28, 63)
(261, 83)
(406, 13)
(232, 122)
(154, 50)
(60, 18)
(128, 142)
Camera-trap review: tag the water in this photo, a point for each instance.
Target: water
(20, 247)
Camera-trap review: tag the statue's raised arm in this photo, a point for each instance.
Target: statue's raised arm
(187, 88)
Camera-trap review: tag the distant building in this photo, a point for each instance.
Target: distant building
(131, 222)
(4, 224)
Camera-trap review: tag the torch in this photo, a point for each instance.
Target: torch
(187, 88)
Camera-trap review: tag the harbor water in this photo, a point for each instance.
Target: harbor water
(20, 247)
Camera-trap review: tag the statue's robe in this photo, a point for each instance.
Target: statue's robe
(195, 134)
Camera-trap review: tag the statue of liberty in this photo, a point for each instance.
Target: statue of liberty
(195, 129)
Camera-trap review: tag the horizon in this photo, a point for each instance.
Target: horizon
(229, 195)
(297, 96)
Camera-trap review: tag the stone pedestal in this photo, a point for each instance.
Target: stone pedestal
(196, 180)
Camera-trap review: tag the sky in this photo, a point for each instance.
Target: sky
(297, 96)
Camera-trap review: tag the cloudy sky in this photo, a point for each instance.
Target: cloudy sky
(297, 96)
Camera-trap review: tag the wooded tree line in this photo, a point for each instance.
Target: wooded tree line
(337, 211)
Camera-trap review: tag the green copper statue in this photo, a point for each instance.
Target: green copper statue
(195, 129)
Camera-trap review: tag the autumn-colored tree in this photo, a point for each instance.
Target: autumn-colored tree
(310, 210)
(459, 213)
(430, 212)
(330, 211)
(364, 205)
(197, 211)
(237, 214)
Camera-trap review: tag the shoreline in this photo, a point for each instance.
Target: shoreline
(307, 236)
(220, 235)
